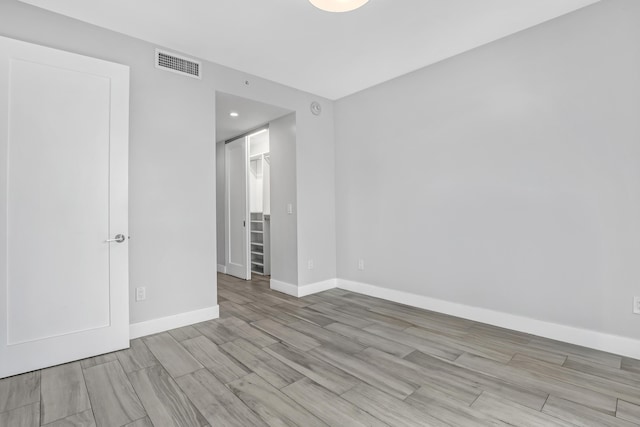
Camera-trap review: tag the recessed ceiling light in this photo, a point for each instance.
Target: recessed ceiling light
(338, 5)
(234, 114)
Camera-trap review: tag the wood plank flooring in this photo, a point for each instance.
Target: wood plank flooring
(336, 358)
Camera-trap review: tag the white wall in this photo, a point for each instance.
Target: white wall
(506, 178)
(173, 158)
(255, 189)
(259, 143)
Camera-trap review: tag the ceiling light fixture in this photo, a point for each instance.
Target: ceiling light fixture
(338, 5)
(234, 114)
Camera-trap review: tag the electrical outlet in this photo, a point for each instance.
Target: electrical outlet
(361, 264)
(636, 305)
(310, 264)
(141, 293)
(290, 209)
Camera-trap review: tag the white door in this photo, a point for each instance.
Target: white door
(237, 208)
(63, 195)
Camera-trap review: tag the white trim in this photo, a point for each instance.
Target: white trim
(222, 269)
(142, 329)
(302, 291)
(597, 340)
(314, 288)
(284, 287)
(232, 268)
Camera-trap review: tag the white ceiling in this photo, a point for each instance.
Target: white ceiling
(328, 54)
(251, 114)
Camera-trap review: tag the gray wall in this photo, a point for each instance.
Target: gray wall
(172, 161)
(284, 244)
(316, 175)
(507, 177)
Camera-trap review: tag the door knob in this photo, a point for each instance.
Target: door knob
(119, 238)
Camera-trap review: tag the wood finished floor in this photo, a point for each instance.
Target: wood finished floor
(335, 358)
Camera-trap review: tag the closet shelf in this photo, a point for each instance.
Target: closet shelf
(259, 259)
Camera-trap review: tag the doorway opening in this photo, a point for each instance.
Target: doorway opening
(259, 203)
(255, 166)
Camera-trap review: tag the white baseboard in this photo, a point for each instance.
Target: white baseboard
(314, 288)
(284, 287)
(302, 291)
(597, 340)
(222, 269)
(142, 329)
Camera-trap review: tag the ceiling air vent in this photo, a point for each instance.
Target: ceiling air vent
(178, 64)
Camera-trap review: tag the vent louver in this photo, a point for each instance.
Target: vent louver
(178, 64)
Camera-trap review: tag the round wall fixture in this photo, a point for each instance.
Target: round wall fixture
(316, 108)
(338, 5)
